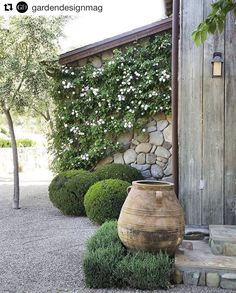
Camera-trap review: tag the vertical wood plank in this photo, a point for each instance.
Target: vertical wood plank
(230, 121)
(213, 133)
(190, 112)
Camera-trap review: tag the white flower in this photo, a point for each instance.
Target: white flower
(95, 91)
(84, 157)
(130, 125)
(121, 98)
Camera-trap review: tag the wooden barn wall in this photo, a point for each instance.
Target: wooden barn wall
(207, 121)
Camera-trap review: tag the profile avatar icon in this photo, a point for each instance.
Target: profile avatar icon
(21, 7)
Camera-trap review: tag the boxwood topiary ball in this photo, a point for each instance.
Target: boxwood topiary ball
(67, 191)
(103, 201)
(118, 171)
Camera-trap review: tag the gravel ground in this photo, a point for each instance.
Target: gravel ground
(40, 249)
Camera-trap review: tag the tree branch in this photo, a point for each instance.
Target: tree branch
(22, 78)
(45, 116)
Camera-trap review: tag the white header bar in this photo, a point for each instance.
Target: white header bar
(50, 8)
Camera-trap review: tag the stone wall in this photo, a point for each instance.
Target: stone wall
(30, 159)
(149, 152)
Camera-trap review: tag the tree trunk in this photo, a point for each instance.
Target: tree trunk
(16, 195)
(50, 122)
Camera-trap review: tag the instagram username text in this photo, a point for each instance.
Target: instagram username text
(68, 8)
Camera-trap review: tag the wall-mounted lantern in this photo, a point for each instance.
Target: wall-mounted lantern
(217, 65)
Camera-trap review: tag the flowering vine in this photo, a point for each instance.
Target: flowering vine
(95, 105)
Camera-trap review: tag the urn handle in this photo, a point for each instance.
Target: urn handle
(159, 197)
(128, 189)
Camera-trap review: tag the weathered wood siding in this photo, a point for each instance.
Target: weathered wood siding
(207, 121)
(230, 121)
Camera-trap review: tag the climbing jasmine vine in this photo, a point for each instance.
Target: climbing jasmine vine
(93, 106)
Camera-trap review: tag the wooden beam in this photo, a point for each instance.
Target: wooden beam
(230, 121)
(190, 112)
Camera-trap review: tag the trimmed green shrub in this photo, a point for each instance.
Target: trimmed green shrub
(99, 266)
(21, 142)
(104, 251)
(5, 143)
(118, 171)
(146, 271)
(108, 263)
(105, 237)
(25, 142)
(67, 191)
(103, 201)
(60, 179)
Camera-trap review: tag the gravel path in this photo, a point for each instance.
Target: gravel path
(40, 249)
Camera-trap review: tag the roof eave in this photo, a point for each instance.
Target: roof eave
(117, 41)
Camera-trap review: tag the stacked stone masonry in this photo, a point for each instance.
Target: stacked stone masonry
(210, 279)
(149, 150)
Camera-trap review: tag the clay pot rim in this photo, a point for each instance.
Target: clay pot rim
(153, 185)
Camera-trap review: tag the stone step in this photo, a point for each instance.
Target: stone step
(196, 265)
(222, 239)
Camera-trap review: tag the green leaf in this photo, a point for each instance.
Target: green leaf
(203, 36)
(212, 27)
(196, 37)
(220, 26)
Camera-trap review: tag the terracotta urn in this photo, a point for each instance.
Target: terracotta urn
(151, 218)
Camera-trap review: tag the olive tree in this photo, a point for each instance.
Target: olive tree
(25, 43)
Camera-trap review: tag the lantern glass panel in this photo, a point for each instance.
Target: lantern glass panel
(217, 68)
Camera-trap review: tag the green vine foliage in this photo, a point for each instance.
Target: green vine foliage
(95, 105)
(215, 20)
